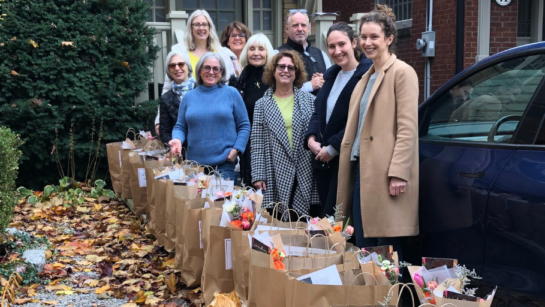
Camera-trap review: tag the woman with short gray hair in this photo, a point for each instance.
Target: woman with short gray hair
(179, 71)
(212, 119)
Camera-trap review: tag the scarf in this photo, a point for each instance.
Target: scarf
(181, 89)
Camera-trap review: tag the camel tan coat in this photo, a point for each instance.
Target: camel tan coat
(388, 148)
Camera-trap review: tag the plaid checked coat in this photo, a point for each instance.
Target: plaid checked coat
(274, 162)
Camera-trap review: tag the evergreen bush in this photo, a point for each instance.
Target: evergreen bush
(9, 164)
(67, 68)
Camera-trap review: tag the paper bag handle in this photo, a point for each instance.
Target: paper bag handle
(361, 274)
(128, 131)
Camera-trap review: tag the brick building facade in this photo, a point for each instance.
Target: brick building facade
(504, 23)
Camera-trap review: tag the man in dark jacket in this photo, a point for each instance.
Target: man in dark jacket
(316, 61)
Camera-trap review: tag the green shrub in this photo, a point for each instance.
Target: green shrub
(73, 65)
(9, 164)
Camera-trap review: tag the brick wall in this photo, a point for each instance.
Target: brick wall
(471, 32)
(503, 27)
(345, 8)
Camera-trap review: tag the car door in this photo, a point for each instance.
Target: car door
(515, 226)
(468, 133)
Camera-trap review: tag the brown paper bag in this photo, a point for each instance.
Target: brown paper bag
(179, 244)
(170, 217)
(192, 252)
(126, 170)
(150, 165)
(218, 267)
(175, 192)
(114, 165)
(354, 291)
(151, 200)
(267, 285)
(160, 185)
(138, 184)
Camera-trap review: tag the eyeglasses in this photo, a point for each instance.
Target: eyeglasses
(282, 67)
(215, 69)
(298, 10)
(173, 65)
(234, 35)
(310, 56)
(197, 25)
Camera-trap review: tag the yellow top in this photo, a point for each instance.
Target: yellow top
(286, 108)
(193, 59)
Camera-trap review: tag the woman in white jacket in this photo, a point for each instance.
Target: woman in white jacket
(199, 38)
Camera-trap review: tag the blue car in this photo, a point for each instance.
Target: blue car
(482, 174)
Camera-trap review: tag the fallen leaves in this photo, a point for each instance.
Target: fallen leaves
(102, 289)
(99, 237)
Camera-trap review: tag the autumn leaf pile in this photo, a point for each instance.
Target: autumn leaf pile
(99, 247)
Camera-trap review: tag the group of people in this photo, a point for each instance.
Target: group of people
(309, 134)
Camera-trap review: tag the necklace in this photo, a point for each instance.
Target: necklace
(257, 84)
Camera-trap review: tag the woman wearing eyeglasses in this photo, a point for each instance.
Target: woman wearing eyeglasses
(234, 36)
(179, 71)
(280, 164)
(199, 38)
(212, 119)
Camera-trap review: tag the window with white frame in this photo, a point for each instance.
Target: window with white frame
(222, 12)
(157, 11)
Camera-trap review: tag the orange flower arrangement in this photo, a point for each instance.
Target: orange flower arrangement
(248, 216)
(237, 223)
(278, 257)
(337, 228)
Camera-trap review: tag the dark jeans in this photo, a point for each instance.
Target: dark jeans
(226, 169)
(326, 181)
(361, 241)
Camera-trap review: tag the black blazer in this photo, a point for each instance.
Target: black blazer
(168, 115)
(332, 133)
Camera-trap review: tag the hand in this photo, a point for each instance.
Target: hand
(175, 147)
(397, 186)
(313, 145)
(260, 185)
(317, 81)
(157, 129)
(232, 157)
(323, 155)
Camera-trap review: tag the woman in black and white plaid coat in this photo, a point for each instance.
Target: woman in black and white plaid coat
(280, 164)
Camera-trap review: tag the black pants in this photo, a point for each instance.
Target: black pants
(246, 166)
(326, 180)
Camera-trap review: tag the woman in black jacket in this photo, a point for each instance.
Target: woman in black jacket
(257, 52)
(326, 128)
(178, 70)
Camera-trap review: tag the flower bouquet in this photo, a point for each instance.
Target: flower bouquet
(239, 211)
(442, 285)
(382, 262)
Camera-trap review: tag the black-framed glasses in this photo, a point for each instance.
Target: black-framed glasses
(310, 56)
(173, 65)
(241, 35)
(282, 67)
(215, 69)
(197, 25)
(293, 11)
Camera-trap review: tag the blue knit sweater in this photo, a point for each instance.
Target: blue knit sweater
(213, 120)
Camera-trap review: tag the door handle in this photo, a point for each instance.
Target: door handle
(472, 175)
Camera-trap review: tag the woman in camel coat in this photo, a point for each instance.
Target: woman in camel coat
(387, 160)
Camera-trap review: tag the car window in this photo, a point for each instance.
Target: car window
(488, 105)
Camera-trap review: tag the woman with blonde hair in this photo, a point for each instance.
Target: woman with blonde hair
(378, 166)
(199, 38)
(280, 164)
(255, 55)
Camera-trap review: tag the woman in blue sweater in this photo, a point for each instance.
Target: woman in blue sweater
(326, 128)
(213, 119)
